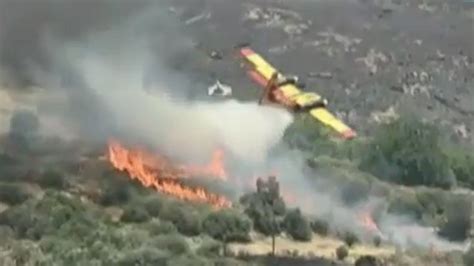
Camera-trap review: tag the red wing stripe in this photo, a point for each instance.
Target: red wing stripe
(257, 78)
(349, 134)
(246, 52)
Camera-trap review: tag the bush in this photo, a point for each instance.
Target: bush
(228, 226)
(342, 252)
(12, 194)
(458, 214)
(209, 249)
(320, 227)
(189, 223)
(187, 220)
(350, 239)
(367, 260)
(408, 152)
(115, 193)
(297, 226)
(135, 214)
(462, 163)
(432, 201)
(189, 260)
(52, 179)
(36, 218)
(154, 206)
(406, 204)
(229, 262)
(173, 243)
(468, 257)
(156, 227)
(377, 241)
(143, 256)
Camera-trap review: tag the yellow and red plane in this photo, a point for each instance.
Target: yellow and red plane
(285, 91)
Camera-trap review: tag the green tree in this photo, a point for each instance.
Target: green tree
(297, 225)
(265, 207)
(409, 152)
(320, 227)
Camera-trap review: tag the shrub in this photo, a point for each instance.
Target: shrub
(209, 249)
(229, 262)
(186, 220)
(320, 227)
(297, 226)
(156, 227)
(173, 243)
(26, 252)
(367, 260)
(12, 194)
(189, 260)
(468, 257)
(350, 239)
(408, 152)
(52, 179)
(36, 218)
(342, 252)
(135, 214)
(189, 223)
(377, 241)
(115, 193)
(143, 256)
(458, 214)
(432, 201)
(227, 226)
(462, 163)
(154, 206)
(406, 204)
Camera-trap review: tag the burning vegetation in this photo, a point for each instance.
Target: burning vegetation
(159, 173)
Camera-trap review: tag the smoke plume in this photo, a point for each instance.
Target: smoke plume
(102, 74)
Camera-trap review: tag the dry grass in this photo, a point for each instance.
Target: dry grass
(318, 246)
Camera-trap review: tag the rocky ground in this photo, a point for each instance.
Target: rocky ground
(372, 59)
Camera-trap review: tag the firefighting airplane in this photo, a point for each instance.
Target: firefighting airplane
(285, 91)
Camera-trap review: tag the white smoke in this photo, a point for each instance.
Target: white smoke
(113, 73)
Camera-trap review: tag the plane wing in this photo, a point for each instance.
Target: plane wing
(261, 72)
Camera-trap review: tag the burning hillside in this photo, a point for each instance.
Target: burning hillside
(159, 173)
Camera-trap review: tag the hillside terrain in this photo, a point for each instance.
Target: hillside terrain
(113, 153)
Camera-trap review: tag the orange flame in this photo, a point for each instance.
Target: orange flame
(368, 223)
(157, 172)
(214, 169)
